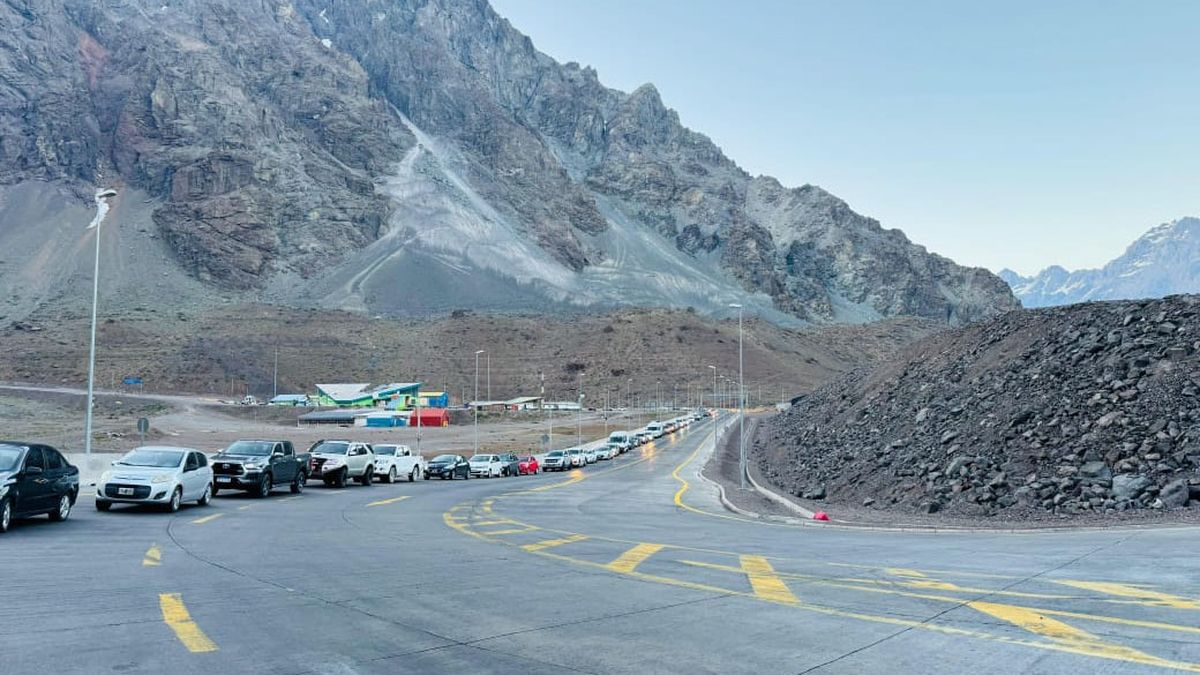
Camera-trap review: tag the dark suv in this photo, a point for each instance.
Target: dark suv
(259, 465)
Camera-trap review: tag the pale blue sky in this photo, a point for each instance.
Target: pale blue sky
(1016, 134)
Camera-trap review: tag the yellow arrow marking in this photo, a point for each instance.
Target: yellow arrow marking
(153, 557)
(1123, 591)
(635, 556)
(1069, 638)
(902, 572)
(551, 543)
(764, 581)
(207, 519)
(384, 502)
(176, 616)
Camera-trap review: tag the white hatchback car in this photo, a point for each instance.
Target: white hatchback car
(164, 476)
(486, 466)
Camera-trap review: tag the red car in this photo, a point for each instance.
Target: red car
(529, 465)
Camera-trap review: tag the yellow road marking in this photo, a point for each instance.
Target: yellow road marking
(482, 523)
(902, 572)
(246, 507)
(1153, 598)
(153, 556)
(871, 586)
(764, 581)
(516, 530)
(551, 543)
(384, 502)
(629, 560)
(207, 519)
(176, 616)
(1072, 639)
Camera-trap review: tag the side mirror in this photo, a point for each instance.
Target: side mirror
(277, 453)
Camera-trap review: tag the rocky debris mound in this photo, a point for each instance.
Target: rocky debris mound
(1091, 408)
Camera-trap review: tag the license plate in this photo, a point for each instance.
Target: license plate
(125, 491)
(224, 479)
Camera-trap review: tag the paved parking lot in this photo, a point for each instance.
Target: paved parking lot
(628, 565)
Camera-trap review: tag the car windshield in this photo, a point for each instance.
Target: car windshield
(331, 448)
(255, 448)
(161, 459)
(443, 459)
(9, 456)
(482, 458)
(526, 459)
(388, 450)
(556, 453)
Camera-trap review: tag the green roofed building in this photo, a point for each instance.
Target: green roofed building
(362, 395)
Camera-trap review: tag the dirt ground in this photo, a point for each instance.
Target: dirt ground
(57, 418)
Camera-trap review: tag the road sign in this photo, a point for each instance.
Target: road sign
(545, 441)
(131, 381)
(143, 425)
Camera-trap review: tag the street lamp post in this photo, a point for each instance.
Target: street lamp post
(102, 197)
(741, 403)
(475, 402)
(714, 369)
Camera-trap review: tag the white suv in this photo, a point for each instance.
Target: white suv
(336, 462)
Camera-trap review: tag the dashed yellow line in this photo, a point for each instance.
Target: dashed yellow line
(764, 581)
(385, 502)
(207, 519)
(176, 616)
(152, 557)
(551, 543)
(635, 556)
(515, 530)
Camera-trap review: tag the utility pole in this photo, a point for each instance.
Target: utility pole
(489, 375)
(579, 422)
(275, 375)
(674, 396)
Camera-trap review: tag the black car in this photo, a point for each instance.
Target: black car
(512, 464)
(448, 466)
(35, 479)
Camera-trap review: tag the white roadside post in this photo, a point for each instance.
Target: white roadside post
(741, 404)
(102, 197)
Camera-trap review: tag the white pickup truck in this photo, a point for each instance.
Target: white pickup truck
(393, 462)
(336, 462)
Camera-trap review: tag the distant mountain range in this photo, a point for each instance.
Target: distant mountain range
(1164, 261)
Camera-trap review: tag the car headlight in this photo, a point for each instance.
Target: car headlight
(160, 478)
(250, 466)
(333, 461)
(106, 476)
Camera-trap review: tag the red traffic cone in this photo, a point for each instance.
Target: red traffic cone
(821, 515)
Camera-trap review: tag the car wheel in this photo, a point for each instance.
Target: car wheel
(264, 486)
(102, 505)
(64, 509)
(298, 483)
(367, 477)
(6, 513)
(426, 475)
(391, 475)
(412, 477)
(342, 478)
(206, 497)
(176, 499)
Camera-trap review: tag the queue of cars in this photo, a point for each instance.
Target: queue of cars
(36, 479)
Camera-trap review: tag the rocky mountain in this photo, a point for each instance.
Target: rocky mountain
(409, 156)
(1164, 261)
(1089, 408)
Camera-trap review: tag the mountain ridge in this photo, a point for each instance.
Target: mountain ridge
(1163, 261)
(340, 155)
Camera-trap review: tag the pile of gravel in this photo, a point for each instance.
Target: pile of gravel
(1084, 409)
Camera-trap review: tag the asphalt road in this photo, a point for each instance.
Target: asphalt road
(626, 566)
